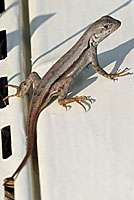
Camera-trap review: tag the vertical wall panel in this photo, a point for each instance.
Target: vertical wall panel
(85, 155)
(12, 67)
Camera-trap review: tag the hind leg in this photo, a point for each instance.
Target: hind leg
(61, 89)
(23, 88)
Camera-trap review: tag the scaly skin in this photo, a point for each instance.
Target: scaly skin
(57, 81)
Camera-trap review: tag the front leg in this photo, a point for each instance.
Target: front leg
(96, 66)
(23, 88)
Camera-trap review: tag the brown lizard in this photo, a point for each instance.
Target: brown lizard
(58, 80)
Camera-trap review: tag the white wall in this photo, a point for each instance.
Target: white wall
(86, 155)
(82, 155)
(13, 115)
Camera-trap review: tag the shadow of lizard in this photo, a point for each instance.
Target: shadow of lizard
(85, 79)
(118, 54)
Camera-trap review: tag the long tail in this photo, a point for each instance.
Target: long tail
(30, 129)
(30, 141)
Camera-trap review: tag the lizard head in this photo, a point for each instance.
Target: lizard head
(102, 28)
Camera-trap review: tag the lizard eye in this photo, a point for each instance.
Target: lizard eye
(105, 26)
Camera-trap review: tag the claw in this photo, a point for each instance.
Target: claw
(80, 104)
(119, 73)
(4, 99)
(65, 106)
(125, 70)
(13, 86)
(13, 95)
(82, 98)
(76, 99)
(88, 99)
(128, 73)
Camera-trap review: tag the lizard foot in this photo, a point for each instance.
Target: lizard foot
(119, 73)
(77, 99)
(19, 92)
